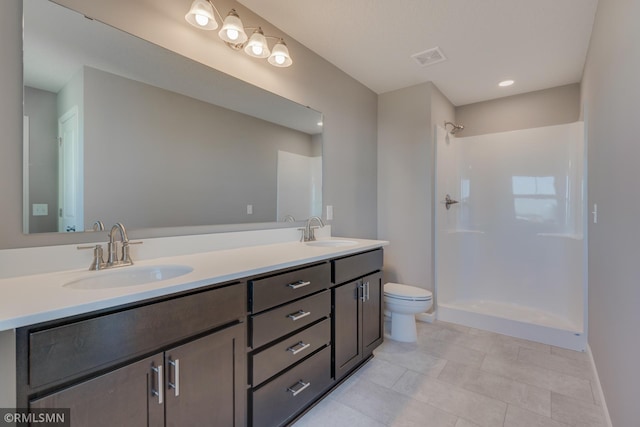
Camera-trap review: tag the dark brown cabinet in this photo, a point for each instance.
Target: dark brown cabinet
(258, 351)
(120, 398)
(101, 368)
(195, 384)
(357, 310)
(204, 384)
(290, 342)
(357, 322)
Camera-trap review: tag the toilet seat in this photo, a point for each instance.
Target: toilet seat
(406, 293)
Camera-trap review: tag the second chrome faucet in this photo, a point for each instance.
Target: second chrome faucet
(308, 232)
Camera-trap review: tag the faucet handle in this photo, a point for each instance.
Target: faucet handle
(303, 235)
(98, 260)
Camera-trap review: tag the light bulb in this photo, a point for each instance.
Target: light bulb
(280, 59)
(202, 20)
(256, 49)
(232, 34)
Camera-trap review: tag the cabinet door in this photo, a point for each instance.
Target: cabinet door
(372, 323)
(124, 397)
(206, 380)
(346, 327)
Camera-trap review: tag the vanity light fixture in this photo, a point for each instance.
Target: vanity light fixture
(202, 15)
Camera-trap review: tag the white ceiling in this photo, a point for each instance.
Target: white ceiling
(538, 43)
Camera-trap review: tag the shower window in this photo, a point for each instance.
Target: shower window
(535, 199)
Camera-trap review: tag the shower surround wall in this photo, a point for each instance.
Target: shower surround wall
(510, 255)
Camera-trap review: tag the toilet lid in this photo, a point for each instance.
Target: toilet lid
(405, 292)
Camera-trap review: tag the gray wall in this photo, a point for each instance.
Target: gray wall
(40, 107)
(154, 158)
(406, 126)
(349, 108)
(610, 91)
(534, 109)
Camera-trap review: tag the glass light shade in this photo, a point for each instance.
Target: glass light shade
(257, 45)
(232, 30)
(201, 15)
(280, 55)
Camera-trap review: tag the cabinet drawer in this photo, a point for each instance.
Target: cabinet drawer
(275, 403)
(70, 350)
(283, 320)
(275, 290)
(351, 267)
(286, 352)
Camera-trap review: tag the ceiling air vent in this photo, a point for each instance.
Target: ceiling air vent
(429, 57)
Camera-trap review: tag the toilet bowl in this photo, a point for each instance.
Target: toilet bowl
(404, 302)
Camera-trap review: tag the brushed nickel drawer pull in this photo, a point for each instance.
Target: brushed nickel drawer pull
(159, 383)
(296, 392)
(299, 315)
(176, 372)
(298, 284)
(302, 347)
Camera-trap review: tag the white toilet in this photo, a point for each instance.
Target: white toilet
(404, 302)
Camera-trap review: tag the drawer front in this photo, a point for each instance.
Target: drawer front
(279, 356)
(351, 267)
(283, 320)
(275, 290)
(69, 351)
(279, 400)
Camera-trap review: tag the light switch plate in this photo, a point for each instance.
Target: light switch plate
(40, 209)
(329, 212)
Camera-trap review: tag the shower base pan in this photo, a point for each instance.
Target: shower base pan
(516, 321)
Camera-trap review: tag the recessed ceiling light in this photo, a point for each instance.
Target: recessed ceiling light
(505, 83)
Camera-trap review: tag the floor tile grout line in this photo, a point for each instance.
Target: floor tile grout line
(552, 371)
(587, 368)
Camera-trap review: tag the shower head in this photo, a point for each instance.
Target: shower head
(455, 128)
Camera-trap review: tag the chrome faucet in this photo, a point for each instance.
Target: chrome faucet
(112, 249)
(308, 234)
(112, 246)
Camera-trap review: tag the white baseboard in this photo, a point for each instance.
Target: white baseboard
(605, 410)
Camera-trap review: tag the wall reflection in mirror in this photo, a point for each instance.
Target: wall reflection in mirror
(121, 130)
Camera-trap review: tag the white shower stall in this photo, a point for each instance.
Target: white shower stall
(511, 254)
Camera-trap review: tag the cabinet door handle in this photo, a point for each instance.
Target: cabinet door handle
(366, 287)
(175, 385)
(299, 315)
(159, 383)
(302, 385)
(362, 296)
(302, 347)
(298, 284)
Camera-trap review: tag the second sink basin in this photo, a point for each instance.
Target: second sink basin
(332, 243)
(128, 276)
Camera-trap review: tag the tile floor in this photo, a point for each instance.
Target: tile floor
(457, 376)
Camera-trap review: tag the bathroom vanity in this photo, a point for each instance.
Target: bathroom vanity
(256, 349)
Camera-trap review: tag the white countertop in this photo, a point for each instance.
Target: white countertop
(42, 297)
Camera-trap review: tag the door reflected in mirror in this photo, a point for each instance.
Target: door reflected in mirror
(122, 130)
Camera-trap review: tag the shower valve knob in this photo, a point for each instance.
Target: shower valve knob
(448, 201)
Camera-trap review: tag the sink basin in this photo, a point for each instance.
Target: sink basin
(332, 243)
(128, 276)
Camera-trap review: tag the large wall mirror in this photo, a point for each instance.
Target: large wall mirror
(120, 130)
